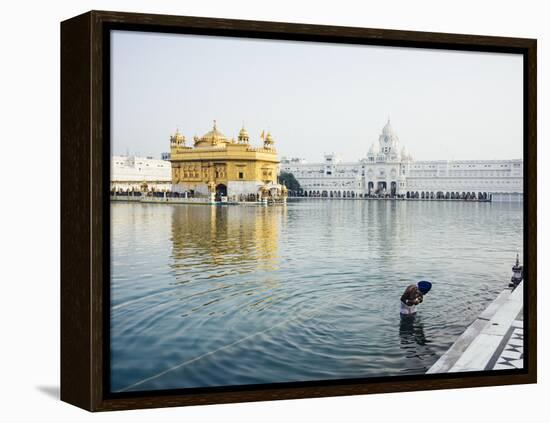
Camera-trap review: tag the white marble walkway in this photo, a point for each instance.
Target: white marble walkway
(511, 356)
(494, 341)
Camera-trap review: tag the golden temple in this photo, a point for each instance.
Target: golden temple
(225, 168)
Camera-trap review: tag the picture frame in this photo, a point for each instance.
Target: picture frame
(85, 172)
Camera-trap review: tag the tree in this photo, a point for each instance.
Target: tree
(289, 181)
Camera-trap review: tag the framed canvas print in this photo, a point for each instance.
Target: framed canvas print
(260, 210)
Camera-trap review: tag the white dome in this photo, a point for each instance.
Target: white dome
(387, 130)
(388, 140)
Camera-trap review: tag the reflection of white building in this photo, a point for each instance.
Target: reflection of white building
(390, 170)
(137, 173)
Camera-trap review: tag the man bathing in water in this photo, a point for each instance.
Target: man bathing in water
(410, 299)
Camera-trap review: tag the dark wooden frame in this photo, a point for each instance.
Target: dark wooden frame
(85, 180)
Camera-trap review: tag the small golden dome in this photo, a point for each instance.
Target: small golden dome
(243, 135)
(268, 139)
(178, 138)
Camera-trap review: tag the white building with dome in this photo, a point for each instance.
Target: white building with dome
(389, 170)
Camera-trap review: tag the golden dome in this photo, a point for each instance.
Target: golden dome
(268, 139)
(212, 137)
(178, 138)
(243, 135)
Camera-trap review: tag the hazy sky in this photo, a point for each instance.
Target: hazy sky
(314, 98)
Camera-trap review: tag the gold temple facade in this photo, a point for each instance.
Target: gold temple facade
(225, 168)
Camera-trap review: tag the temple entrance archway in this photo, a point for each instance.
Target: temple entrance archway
(221, 191)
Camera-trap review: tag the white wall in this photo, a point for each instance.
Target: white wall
(237, 188)
(29, 86)
(199, 188)
(128, 169)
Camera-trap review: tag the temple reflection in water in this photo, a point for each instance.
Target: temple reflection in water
(235, 239)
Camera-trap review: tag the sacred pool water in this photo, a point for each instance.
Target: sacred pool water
(206, 296)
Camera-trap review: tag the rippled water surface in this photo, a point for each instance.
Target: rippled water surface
(228, 295)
